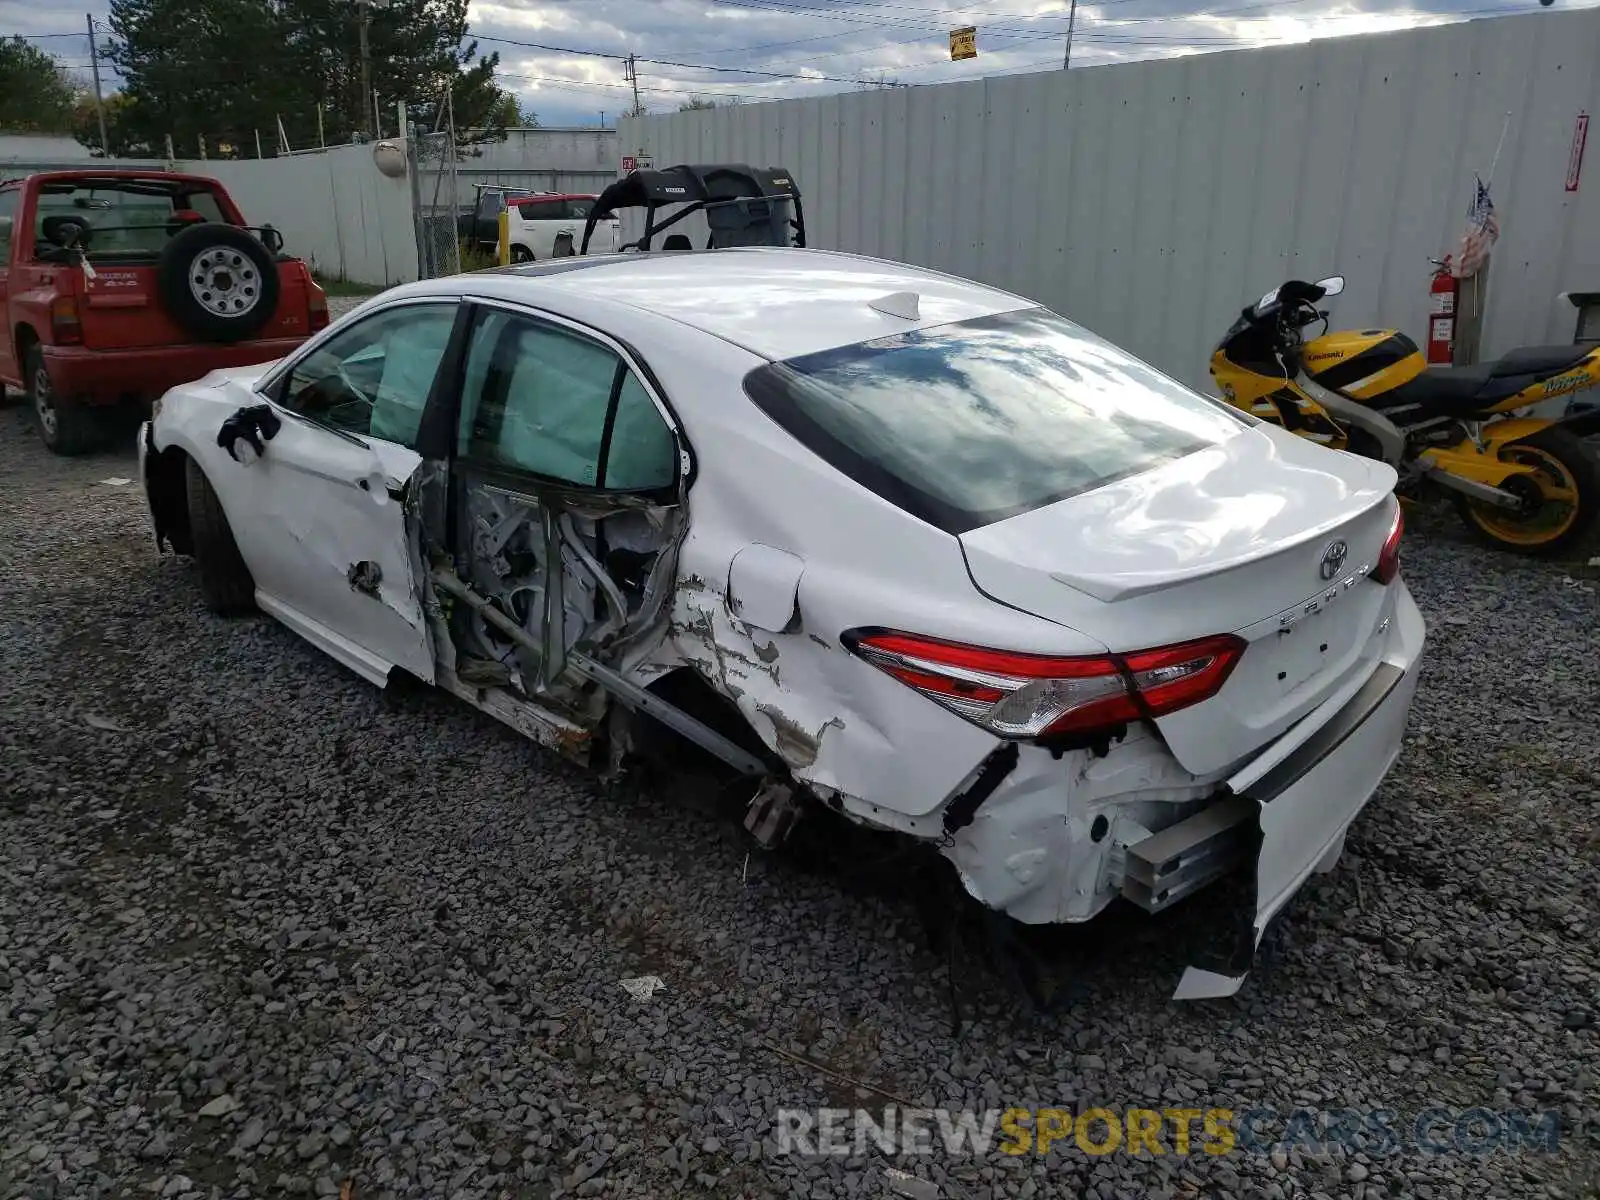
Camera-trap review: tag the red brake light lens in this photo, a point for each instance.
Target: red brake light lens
(66, 326)
(1017, 695)
(318, 305)
(1388, 567)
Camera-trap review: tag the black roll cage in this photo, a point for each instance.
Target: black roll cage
(713, 189)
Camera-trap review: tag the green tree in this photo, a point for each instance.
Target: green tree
(696, 104)
(228, 69)
(36, 91)
(212, 69)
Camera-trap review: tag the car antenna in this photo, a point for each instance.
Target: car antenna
(898, 304)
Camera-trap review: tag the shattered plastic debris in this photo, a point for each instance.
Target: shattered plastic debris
(643, 987)
(104, 724)
(115, 481)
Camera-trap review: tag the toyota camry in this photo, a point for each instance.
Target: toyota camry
(872, 538)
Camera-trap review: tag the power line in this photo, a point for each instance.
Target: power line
(667, 62)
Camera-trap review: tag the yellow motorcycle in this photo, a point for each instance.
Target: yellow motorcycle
(1524, 483)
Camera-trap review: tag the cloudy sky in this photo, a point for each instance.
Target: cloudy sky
(749, 50)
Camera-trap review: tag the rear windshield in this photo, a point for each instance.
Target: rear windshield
(966, 424)
(133, 220)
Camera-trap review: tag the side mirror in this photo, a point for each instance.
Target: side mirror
(1332, 285)
(271, 239)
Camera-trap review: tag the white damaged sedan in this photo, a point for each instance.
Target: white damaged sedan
(882, 540)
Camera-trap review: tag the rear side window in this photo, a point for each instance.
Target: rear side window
(543, 400)
(541, 210)
(966, 424)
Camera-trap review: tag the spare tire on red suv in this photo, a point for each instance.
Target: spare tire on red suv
(218, 282)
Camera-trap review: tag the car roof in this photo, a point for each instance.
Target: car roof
(111, 175)
(778, 303)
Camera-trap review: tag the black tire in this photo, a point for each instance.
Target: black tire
(68, 431)
(1580, 461)
(521, 254)
(218, 282)
(225, 580)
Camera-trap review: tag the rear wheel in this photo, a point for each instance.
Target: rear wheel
(1561, 498)
(521, 254)
(65, 430)
(225, 580)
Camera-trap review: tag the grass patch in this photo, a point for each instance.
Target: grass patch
(346, 287)
(473, 259)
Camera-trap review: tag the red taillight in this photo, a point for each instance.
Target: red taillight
(318, 306)
(1389, 559)
(1033, 695)
(66, 327)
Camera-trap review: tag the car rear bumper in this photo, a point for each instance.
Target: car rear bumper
(93, 377)
(1046, 846)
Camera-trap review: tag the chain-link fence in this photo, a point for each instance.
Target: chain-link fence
(434, 203)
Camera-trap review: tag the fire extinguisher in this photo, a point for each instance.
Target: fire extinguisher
(1442, 296)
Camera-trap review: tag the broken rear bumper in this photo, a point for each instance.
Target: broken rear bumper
(1058, 840)
(1306, 801)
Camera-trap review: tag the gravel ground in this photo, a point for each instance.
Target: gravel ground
(265, 931)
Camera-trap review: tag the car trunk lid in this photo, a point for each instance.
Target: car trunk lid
(1236, 538)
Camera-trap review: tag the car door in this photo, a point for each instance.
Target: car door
(565, 486)
(321, 518)
(10, 196)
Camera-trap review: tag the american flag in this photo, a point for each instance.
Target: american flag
(1483, 230)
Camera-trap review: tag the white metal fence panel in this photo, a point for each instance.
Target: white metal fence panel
(334, 208)
(1151, 201)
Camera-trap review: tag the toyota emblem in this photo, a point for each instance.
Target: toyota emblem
(1333, 559)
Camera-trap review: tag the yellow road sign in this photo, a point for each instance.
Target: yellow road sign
(964, 43)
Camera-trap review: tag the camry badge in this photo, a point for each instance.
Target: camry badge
(1333, 559)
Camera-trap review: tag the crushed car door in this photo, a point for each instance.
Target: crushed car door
(336, 562)
(566, 518)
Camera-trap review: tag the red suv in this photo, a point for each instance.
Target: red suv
(117, 285)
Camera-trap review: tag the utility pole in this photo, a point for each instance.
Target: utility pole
(364, 8)
(1072, 19)
(630, 72)
(99, 102)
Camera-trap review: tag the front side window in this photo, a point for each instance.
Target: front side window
(543, 400)
(970, 423)
(373, 379)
